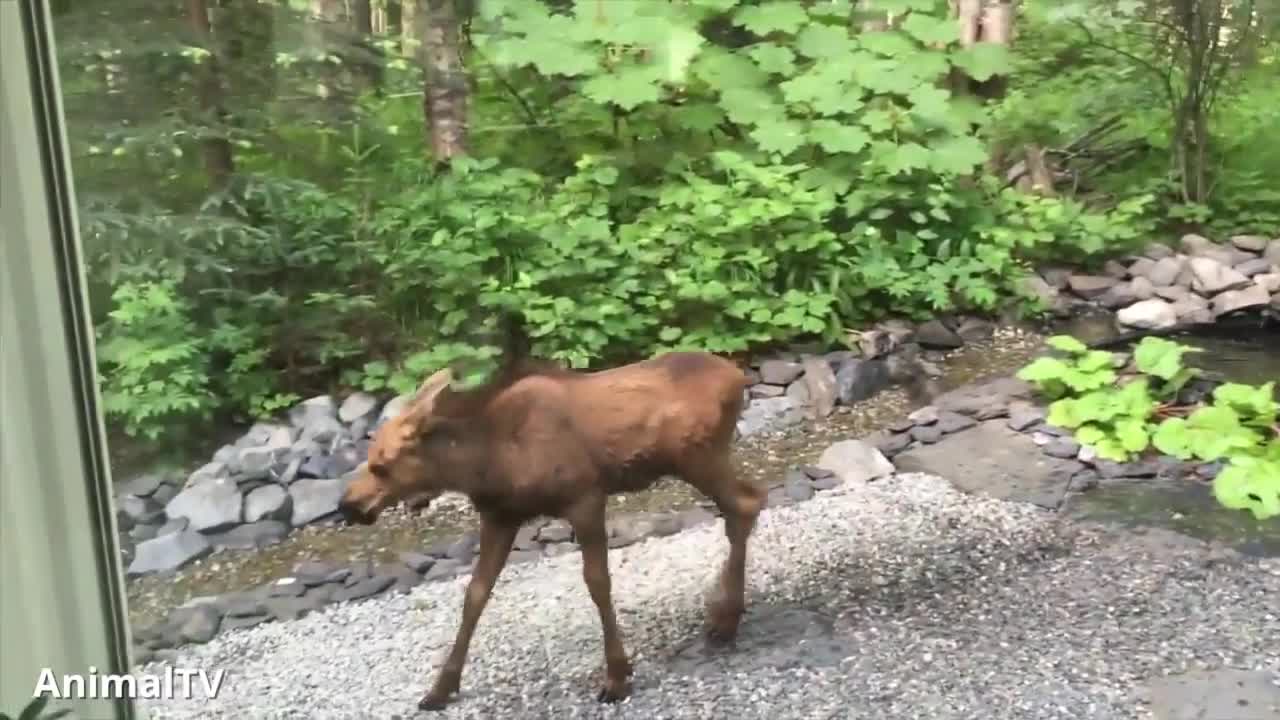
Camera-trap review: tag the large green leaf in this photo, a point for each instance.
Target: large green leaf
(774, 16)
(981, 61)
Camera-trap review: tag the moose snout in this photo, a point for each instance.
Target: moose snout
(353, 514)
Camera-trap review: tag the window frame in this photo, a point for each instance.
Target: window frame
(63, 605)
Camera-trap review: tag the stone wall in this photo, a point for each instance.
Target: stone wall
(1196, 283)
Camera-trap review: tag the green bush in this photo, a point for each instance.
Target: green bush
(1238, 427)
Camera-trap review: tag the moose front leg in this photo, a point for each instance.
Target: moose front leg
(593, 538)
(496, 539)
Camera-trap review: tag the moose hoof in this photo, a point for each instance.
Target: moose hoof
(613, 692)
(433, 702)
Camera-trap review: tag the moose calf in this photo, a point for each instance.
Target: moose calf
(540, 440)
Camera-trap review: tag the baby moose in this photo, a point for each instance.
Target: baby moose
(539, 440)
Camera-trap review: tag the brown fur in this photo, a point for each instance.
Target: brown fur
(543, 441)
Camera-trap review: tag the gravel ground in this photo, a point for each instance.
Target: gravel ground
(901, 599)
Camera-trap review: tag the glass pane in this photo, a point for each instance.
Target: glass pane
(311, 229)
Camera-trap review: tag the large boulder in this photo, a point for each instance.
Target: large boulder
(854, 461)
(1232, 300)
(169, 552)
(209, 505)
(315, 498)
(1152, 314)
(1210, 277)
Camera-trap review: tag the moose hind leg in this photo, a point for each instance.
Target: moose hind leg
(496, 539)
(740, 502)
(589, 527)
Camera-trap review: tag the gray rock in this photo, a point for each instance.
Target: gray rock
(251, 536)
(1090, 287)
(209, 471)
(1058, 277)
(1210, 277)
(854, 461)
(417, 562)
(1157, 251)
(1220, 694)
(1140, 267)
(365, 588)
(859, 380)
(269, 502)
(314, 498)
(933, 334)
(139, 533)
(200, 624)
(1166, 271)
(322, 429)
(984, 400)
(926, 415)
(173, 525)
(556, 531)
(168, 552)
(973, 330)
(952, 422)
(358, 405)
(1150, 314)
(132, 507)
(1193, 244)
(1024, 416)
(1142, 288)
(764, 390)
(875, 343)
(1232, 300)
(769, 414)
(1270, 281)
(308, 410)
(1037, 287)
(927, 434)
(1254, 267)
(780, 372)
(285, 587)
(292, 608)
(1062, 448)
(799, 490)
(1272, 253)
(1173, 293)
(993, 460)
(257, 462)
(144, 485)
(464, 548)
(798, 392)
(820, 381)
(891, 444)
(1250, 243)
(524, 556)
(445, 568)
(1114, 269)
(211, 505)
(1118, 296)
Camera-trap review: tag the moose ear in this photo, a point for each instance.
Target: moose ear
(431, 388)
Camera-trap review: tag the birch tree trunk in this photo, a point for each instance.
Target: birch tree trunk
(444, 102)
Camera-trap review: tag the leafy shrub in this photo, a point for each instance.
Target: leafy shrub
(1238, 427)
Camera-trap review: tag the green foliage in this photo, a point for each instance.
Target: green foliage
(718, 174)
(1238, 428)
(154, 373)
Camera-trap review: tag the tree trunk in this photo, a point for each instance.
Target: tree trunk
(444, 102)
(368, 67)
(215, 147)
(410, 31)
(989, 21)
